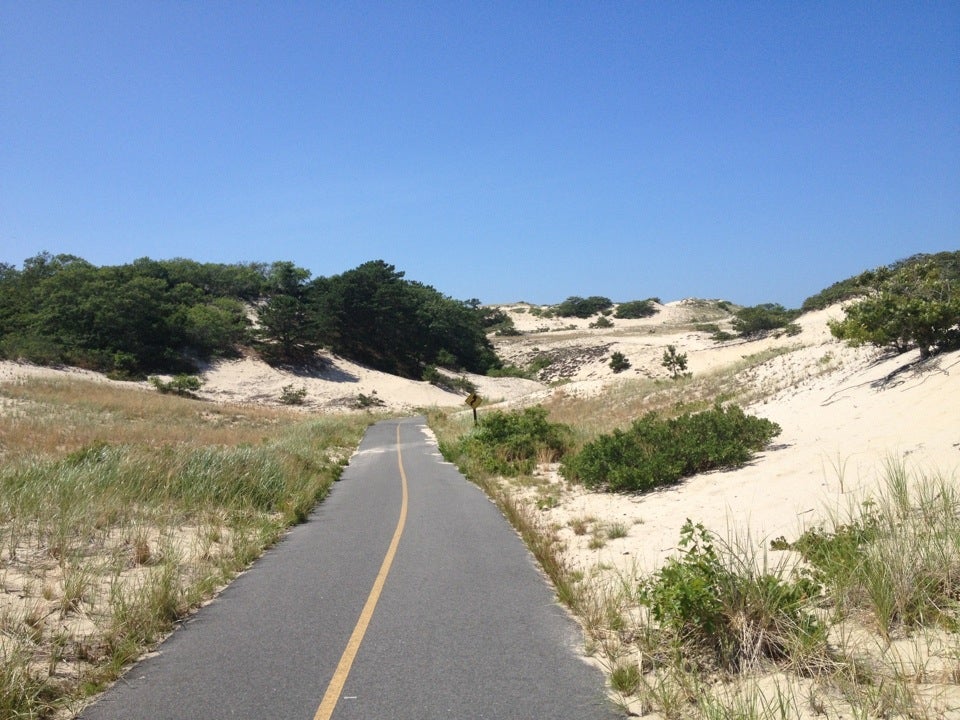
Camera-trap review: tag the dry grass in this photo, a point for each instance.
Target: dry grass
(121, 510)
(53, 417)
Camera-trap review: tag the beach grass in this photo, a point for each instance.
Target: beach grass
(122, 510)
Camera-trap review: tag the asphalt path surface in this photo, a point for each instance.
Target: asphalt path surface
(463, 625)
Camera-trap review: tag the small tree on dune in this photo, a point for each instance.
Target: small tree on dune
(619, 362)
(675, 362)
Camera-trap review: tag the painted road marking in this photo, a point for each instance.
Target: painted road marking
(339, 679)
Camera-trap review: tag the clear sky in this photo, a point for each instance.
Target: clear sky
(521, 150)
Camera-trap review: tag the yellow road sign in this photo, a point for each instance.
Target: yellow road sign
(473, 400)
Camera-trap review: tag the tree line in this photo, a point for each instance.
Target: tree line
(153, 316)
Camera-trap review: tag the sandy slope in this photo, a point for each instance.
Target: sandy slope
(839, 431)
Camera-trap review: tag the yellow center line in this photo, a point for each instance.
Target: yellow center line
(339, 679)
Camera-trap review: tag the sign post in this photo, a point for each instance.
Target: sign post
(473, 400)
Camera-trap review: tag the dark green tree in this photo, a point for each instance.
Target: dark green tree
(374, 316)
(289, 325)
(915, 304)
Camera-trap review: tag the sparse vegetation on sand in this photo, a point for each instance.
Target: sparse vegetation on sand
(854, 617)
(857, 618)
(121, 510)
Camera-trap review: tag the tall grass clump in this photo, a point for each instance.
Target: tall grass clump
(654, 452)
(897, 557)
(24, 691)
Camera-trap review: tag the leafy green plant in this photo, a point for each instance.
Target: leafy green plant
(916, 305)
(601, 322)
(184, 385)
(509, 371)
(734, 615)
(509, 443)
(760, 319)
(447, 382)
(533, 368)
(635, 309)
(364, 402)
(575, 306)
(655, 452)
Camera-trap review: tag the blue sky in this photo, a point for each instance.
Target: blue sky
(750, 151)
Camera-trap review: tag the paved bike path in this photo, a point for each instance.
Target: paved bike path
(465, 626)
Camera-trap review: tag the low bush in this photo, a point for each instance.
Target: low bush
(364, 402)
(619, 362)
(511, 443)
(293, 396)
(635, 309)
(654, 452)
(509, 371)
(727, 613)
(583, 307)
(450, 383)
(184, 385)
(760, 319)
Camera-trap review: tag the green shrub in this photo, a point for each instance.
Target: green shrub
(655, 452)
(635, 309)
(619, 362)
(182, 384)
(540, 362)
(731, 613)
(832, 553)
(364, 402)
(508, 371)
(291, 396)
(510, 443)
(759, 319)
(575, 306)
(602, 322)
(448, 382)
